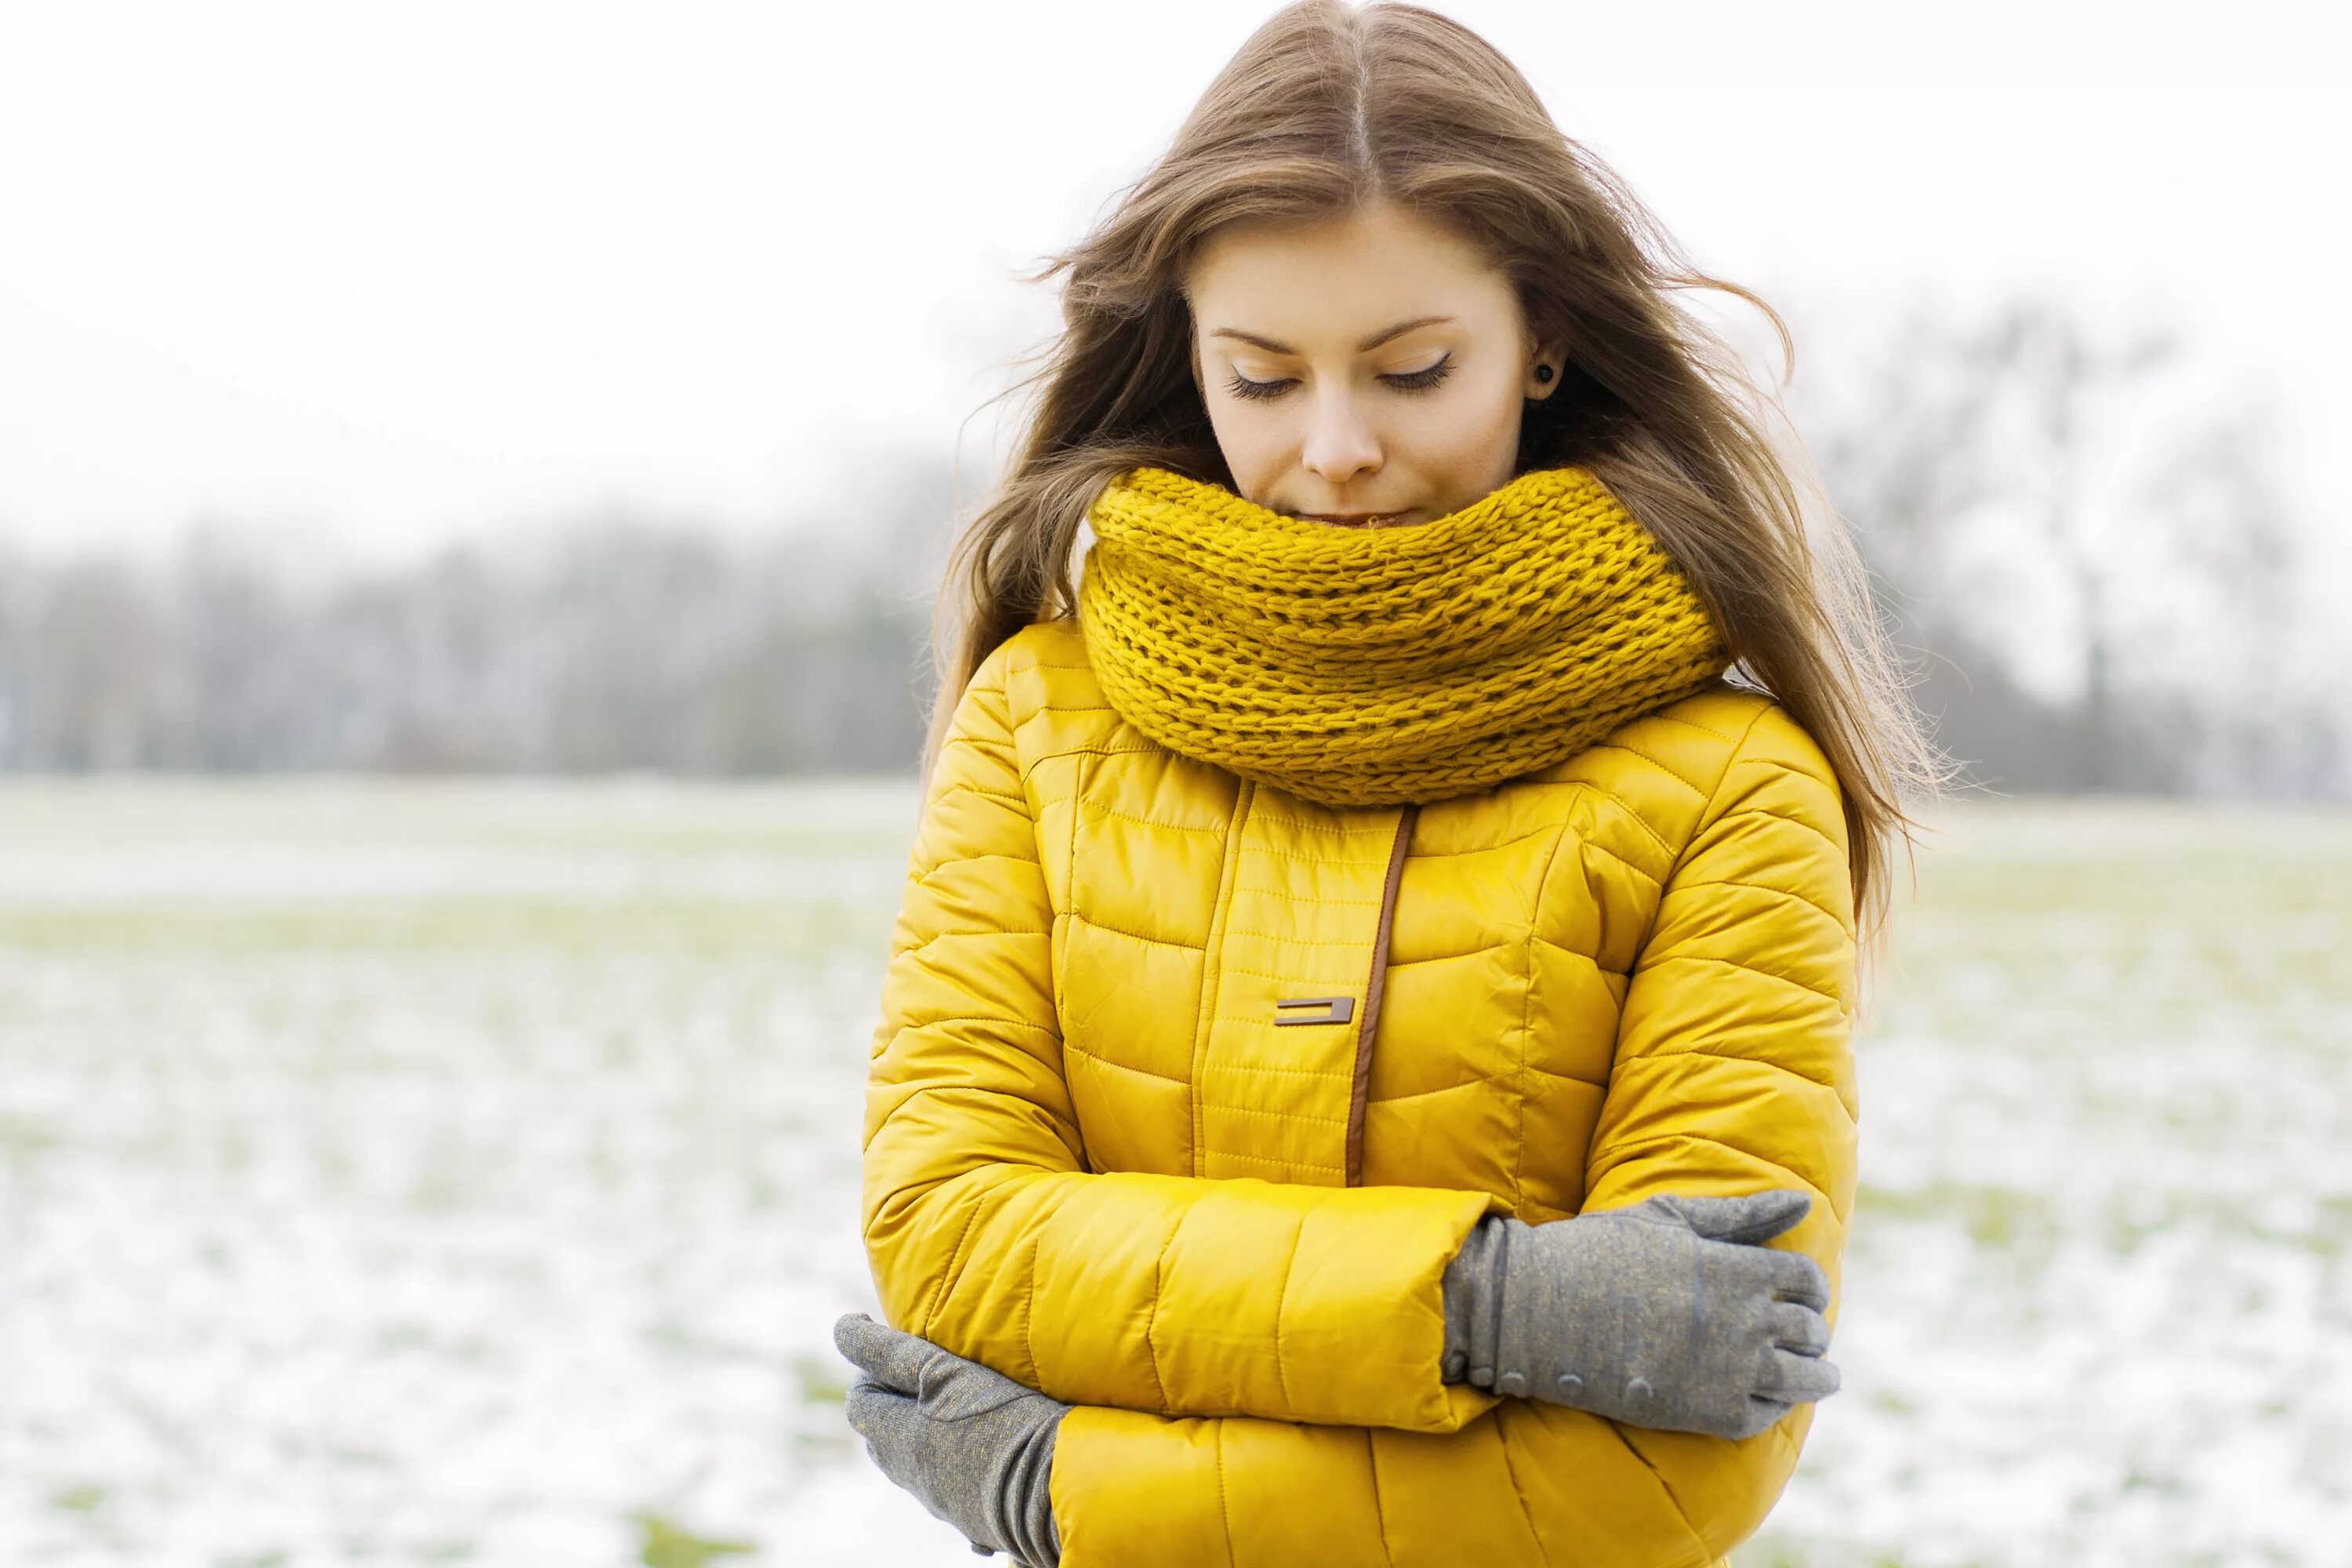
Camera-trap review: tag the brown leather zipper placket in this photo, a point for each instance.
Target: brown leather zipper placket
(1373, 988)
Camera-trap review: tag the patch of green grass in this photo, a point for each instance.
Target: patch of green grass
(22, 1136)
(669, 1544)
(823, 1380)
(2000, 1219)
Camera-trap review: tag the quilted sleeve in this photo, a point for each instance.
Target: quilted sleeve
(987, 1235)
(1732, 1075)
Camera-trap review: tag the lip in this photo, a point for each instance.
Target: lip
(1350, 519)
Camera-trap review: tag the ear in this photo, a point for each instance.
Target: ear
(1547, 367)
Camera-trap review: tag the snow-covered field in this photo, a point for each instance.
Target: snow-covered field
(401, 1173)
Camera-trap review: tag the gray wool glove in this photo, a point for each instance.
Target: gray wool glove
(1665, 1314)
(975, 1448)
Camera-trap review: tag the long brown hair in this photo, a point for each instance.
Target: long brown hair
(1327, 106)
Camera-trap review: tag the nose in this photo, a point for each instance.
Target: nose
(1340, 442)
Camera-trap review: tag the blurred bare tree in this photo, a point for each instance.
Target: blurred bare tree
(613, 642)
(2101, 578)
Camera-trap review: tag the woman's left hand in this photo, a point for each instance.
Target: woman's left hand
(975, 1448)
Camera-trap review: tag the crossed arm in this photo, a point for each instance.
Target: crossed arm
(1227, 1337)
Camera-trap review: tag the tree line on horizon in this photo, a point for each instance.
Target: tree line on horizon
(2098, 590)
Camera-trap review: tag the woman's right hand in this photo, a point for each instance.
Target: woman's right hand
(1667, 1313)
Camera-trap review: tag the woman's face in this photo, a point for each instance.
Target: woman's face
(1367, 371)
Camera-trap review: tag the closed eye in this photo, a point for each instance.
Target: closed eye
(1403, 381)
(1422, 379)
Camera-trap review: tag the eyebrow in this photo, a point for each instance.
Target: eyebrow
(1367, 346)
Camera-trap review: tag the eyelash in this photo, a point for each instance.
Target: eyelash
(1411, 381)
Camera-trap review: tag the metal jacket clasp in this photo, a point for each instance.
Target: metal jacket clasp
(1314, 1009)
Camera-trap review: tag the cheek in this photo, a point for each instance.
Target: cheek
(1257, 446)
(1467, 442)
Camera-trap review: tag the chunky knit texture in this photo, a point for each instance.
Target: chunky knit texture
(1374, 667)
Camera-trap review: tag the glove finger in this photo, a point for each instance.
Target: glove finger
(1762, 1414)
(882, 1352)
(1797, 1278)
(1797, 1378)
(1798, 1329)
(873, 1409)
(1748, 1219)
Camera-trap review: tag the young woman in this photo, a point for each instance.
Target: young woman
(1363, 1072)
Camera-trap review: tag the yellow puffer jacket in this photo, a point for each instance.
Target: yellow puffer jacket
(1103, 1156)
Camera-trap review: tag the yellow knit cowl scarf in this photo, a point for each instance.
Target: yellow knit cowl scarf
(1376, 667)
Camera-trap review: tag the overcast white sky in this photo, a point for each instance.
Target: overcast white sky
(396, 272)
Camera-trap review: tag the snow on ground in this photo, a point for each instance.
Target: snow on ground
(397, 1173)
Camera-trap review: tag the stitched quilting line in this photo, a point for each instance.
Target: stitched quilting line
(1092, 808)
(1623, 1153)
(1029, 1307)
(1342, 862)
(1224, 1512)
(1312, 897)
(1158, 1288)
(945, 1285)
(1663, 717)
(1379, 1507)
(1519, 1490)
(1705, 1556)
(1804, 1077)
(1526, 1030)
(1090, 921)
(1667, 1057)
(1286, 939)
(1591, 958)
(977, 930)
(1212, 969)
(1070, 886)
(1237, 1157)
(1642, 871)
(1286, 1072)
(1486, 1082)
(1625, 810)
(1425, 853)
(1795, 897)
(1699, 826)
(1814, 828)
(1618, 745)
(1664, 959)
(1063, 1128)
(953, 861)
(1282, 1295)
(959, 785)
(1307, 824)
(909, 1025)
(1146, 749)
(1070, 1049)
(1229, 1110)
(1290, 979)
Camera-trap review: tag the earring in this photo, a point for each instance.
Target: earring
(1543, 373)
